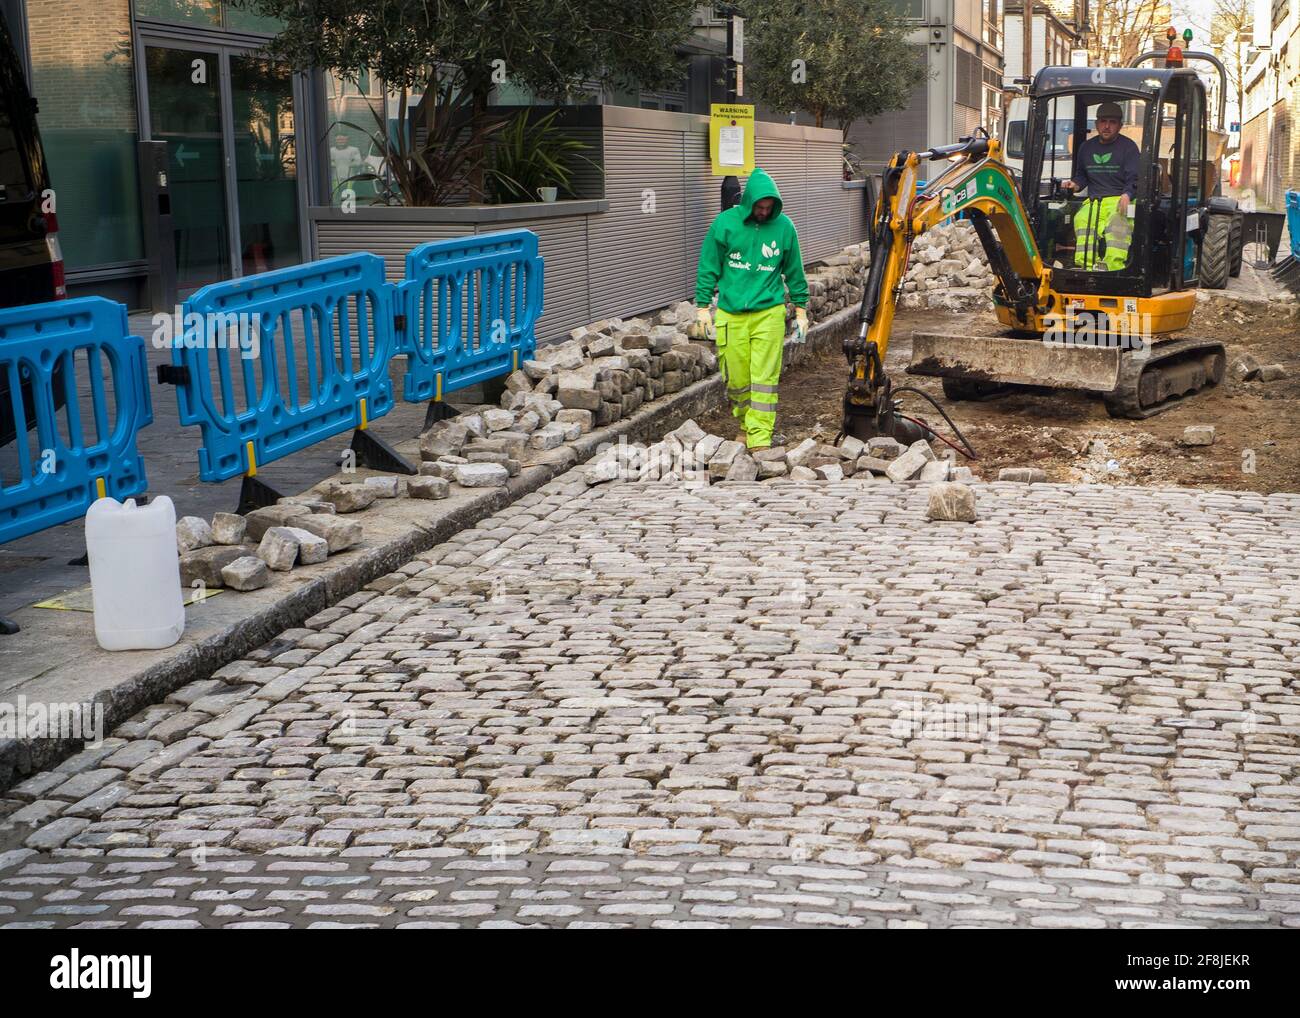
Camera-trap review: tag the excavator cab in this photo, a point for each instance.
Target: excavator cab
(1094, 248)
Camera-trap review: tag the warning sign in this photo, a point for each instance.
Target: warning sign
(731, 139)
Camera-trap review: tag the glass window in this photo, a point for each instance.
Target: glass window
(354, 137)
(1195, 156)
(266, 163)
(209, 13)
(186, 114)
(82, 77)
(189, 12)
(15, 181)
(910, 8)
(1016, 139)
(247, 21)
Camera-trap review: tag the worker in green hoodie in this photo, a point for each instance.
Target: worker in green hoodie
(751, 255)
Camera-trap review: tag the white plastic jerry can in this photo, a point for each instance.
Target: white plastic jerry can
(135, 576)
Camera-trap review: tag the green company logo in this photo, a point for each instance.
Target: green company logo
(1100, 157)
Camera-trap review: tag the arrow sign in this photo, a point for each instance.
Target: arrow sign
(182, 155)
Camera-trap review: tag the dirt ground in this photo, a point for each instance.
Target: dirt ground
(1257, 423)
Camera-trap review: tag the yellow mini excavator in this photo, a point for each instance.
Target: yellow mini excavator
(1071, 320)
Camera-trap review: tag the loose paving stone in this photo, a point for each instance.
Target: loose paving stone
(228, 528)
(481, 475)
(385, 487)
(278, 549)
(339, 535)
(910, 464)
(935, 470)
(346, 497)
(205, 564)
(192, 532)
(257, 522)
(311, 549)
(248, 572)
(1025, 475)
(428, 487)
(640, 704)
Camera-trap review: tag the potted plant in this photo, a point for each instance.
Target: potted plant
(532, 161)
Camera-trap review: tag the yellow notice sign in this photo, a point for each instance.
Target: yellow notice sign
(731, 139)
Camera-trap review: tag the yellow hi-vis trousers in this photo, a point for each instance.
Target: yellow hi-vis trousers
(1099, 219)
(749, 353)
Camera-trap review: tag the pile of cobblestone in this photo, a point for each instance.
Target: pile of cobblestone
(948, 271)
(837, 284)
(691, 455)
(239, 552)
(599, 375)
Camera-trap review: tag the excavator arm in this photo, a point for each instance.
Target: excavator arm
(977, 184)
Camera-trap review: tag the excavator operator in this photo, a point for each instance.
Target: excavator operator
(1107, 166)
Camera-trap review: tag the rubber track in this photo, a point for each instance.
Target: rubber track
(1125, 400)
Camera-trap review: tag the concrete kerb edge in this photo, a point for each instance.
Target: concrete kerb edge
(19, 758)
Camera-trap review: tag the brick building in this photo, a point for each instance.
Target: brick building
(1270, 140)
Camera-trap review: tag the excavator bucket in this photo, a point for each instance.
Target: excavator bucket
(1004, 360)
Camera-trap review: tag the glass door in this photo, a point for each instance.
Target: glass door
(229, 118)
(266, 163)
(184, 89)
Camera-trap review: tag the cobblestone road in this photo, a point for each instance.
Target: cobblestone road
(788, 704)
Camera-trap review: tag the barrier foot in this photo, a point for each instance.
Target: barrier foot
(255, 494)
(7, 626)
(437, 411)
(377, 454)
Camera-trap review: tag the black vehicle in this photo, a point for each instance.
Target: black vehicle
(31, 263)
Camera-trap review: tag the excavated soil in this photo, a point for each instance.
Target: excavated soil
(1257, 423)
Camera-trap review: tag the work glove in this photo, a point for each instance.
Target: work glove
(800, 325)
(702, 327)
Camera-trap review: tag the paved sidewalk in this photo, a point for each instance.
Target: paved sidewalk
(796, 703)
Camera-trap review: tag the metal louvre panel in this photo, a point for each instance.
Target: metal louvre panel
(636, 258)
(562, 243)
(390, 240)
(785, 162)
(828, 228)
(704, 199)
(965, 119)
(587, 180)
(856, 216)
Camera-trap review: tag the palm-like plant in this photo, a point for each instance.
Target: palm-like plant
(528, 156)
(437, 160)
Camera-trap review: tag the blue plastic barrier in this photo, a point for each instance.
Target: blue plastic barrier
(470, 305)
(1293, 220)
(58, 454)
(314, 365)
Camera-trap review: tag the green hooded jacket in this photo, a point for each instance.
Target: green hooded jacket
(746, 260)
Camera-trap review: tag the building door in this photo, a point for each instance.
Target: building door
(229, 120)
